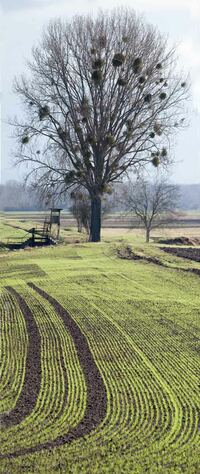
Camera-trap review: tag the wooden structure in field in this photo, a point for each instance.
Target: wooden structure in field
(55, 220)
(48, 235)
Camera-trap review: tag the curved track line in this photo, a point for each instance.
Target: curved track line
(31, 386)
(96, 405)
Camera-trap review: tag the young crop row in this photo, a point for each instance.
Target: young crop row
(11, 272)
(175, 368)
(131, 378)
(145, 405)
(144, 344)
(129, 404)
(13, 348)
(62, 396)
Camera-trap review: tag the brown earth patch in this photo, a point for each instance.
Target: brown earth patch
(181, 241)
(189, 253)
(127, 253)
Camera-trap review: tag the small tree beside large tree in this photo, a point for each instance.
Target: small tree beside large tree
(103, 97)
(80, 208)
(153, 202)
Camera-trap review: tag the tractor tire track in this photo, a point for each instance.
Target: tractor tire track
(96, 405)
(31, 386)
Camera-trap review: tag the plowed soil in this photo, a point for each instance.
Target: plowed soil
(190, 253)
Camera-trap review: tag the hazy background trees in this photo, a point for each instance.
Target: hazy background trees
(15, 196)
(103, 96)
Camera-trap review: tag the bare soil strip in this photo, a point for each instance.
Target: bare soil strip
(31, 386)
(96, 392)
(128, 254)
(190, 253)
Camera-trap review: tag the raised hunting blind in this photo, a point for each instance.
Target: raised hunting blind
(55, 220)
(37, 237)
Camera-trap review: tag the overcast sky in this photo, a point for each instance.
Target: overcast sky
(22, 25)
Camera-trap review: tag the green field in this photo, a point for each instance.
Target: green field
(99, 360)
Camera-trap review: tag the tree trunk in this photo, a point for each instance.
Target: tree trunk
(148, 234)
(79, 225)
(87, 227)
(95, 226)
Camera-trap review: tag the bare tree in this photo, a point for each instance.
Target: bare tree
(103, 97)
(153, 202)
(81, 210)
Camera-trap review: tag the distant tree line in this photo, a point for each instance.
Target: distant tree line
(189, 199)
(14, 196)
